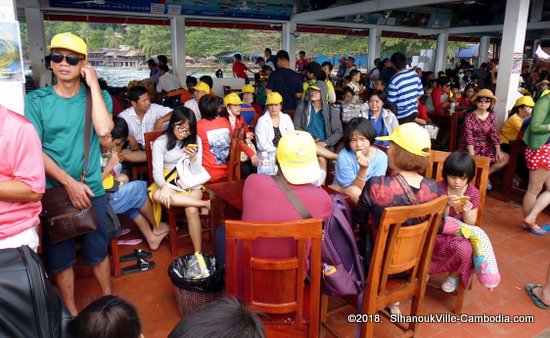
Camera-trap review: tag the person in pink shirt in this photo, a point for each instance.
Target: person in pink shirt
(22, 181)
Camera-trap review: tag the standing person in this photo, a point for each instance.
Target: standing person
(404, 89)
(167, 81)
(57, 112)
(286, 82)
(301, 62)
(350, 65)
(22, 181)
(47, 78)
(537, 157)
(270, 60)
(240, 69)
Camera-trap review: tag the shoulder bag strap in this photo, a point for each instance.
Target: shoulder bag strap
(406, 188)
(87, 132)
(294, 200)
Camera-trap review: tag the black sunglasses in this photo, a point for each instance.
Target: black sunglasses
(73, 60)
(484, 99)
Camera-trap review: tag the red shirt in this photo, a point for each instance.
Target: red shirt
(239, 69)
(300, 64)
(423, 112)
(216, 142)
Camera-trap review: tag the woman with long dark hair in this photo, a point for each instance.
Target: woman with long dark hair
(178, 140)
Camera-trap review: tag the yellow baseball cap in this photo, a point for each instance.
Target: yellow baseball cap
(232, 98)
(248, 88)
(273, 98)
(202, 86)
(411, 137)
(297, 157)
(314, 88)
(524, 91)
(525, 101)
(69, 41)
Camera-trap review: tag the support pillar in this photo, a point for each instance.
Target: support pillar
(374, 46)
(37, 42)
(441, 52)
(177, 27)
(483, 52)
(289, 42)
(515, 25)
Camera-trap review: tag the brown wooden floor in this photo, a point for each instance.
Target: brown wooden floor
(522, 258)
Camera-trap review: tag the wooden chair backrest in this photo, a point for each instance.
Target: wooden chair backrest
(235, 156)
(276, 286)
(402, 248)
(435, 171)
(149, 138)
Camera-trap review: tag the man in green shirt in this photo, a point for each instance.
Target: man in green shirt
(57, 113)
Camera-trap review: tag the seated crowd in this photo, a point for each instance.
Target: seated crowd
(317, 130)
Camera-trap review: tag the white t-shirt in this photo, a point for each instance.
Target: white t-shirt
(194, 106)
(168, 82)
(137, 128)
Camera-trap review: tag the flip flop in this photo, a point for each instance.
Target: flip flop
(124, 231)
(141, 266)
(527, 228)
(538, 302)
(545, 227)
(137, 254)
(131, 241)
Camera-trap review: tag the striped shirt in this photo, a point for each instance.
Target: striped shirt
(403, 90)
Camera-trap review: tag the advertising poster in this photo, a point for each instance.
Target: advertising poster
(11, 58)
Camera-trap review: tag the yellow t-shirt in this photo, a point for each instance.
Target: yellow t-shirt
(510, 129)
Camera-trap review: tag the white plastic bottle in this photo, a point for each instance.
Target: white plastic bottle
(452, 108)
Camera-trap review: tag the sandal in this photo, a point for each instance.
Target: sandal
(124, 231)
(394, 308)
(142, 265)
(137, 254)
(538, 302)
(450, 283)
(536, 230)
(131, 241)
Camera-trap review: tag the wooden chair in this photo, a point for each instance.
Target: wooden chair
(173, 212)
(235, 156)
(276, 286)
(517, 149)
(399, 249)
(435, 171)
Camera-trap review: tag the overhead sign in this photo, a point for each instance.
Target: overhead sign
(259, 9)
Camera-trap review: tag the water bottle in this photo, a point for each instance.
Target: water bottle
(264, 165)
(452, 109)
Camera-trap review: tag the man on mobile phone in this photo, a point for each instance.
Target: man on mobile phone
(57, 113)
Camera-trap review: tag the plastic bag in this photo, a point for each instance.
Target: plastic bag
(183, 269)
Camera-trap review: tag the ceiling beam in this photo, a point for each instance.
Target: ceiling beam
(361, 8)
(494, 28)
(351, 25)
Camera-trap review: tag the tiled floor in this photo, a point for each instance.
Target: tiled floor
(522, 257)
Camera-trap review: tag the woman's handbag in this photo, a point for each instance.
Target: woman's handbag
(59, 217)
(191, 177)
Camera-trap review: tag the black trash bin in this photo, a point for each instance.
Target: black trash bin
(193, 294)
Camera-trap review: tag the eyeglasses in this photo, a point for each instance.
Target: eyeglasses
(484, 99)
(182, 129)
(72, 60)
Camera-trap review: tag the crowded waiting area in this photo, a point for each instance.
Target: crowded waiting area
(283, 194)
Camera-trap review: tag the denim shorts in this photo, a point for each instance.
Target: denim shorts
(60, 256)
(129, 198)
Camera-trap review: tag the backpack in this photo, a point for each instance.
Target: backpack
(339, 250)
(343, 272)
(29, 306)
